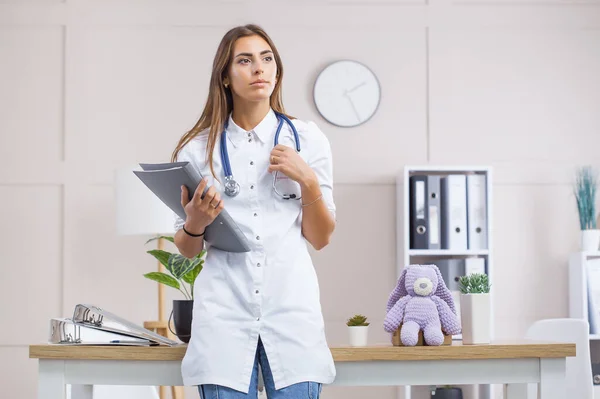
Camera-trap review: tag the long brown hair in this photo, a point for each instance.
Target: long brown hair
(219, 102)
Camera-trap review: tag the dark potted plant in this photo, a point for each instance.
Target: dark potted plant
(182, 272)
(447, 392)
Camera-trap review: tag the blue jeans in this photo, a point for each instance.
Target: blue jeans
(302, 390)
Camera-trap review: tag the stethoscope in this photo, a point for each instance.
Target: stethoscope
(232, 187)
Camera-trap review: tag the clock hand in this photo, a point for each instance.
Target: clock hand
(355, 87)
(353, 107)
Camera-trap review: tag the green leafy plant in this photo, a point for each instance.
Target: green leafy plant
(474, 283)
(585, 194)
(357, 320)
(182, 271)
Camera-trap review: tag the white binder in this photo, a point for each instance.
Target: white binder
(454, 212)
(474, 265)
(434, 214)
(593, 294)
(477, 211)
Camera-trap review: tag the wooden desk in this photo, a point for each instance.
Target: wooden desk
(511, 363)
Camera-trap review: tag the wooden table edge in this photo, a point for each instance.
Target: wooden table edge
(339, 353)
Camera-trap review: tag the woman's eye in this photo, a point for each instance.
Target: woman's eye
(244, 60)
(269, 59)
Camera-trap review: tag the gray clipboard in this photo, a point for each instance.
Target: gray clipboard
(165, 181)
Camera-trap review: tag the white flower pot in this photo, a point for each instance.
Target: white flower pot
(475, 310)
(590, 240)
(358, 335)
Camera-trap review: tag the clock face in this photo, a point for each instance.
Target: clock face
(346, 93)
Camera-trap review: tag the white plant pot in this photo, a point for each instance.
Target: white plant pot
(590, 240)
(475, 310)
(358, 335)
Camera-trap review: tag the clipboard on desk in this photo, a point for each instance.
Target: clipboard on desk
(165, 181)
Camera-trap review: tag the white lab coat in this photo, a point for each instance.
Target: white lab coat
(271, 291)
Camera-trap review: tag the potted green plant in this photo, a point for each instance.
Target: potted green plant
(475, 308)
(358, 327)
(585, 195)
(182, 275)
(446, 392)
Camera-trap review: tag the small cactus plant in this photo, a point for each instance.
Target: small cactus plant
(357, 320)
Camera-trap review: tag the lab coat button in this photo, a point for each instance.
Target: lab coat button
(258, 264)
(252, 187)
(256, 291)
(255, 214)
(258, 237)
(251, 162)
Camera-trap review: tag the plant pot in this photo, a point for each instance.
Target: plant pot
(358, 335)
(447, 393)
(590, 240)
(182, 319)
(475, 310)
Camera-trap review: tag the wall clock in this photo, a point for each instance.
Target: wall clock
(347, 93)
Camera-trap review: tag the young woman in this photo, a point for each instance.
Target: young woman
(260, 307)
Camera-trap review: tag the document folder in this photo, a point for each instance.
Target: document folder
(165, 181)
(477, 211)
(91, 325)
(419, 232)
(434, 212)
(65, 331)
(454, 212)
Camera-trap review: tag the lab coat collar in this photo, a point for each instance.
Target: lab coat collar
(264, 130)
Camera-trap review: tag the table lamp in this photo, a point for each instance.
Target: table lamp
(140, 212)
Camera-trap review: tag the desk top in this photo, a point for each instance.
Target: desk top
(456, 351)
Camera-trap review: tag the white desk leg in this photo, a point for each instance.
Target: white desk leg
(51, 379)
(82, 391)
(515, 391)
(553, 376)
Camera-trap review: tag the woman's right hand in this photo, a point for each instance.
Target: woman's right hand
(200, 212)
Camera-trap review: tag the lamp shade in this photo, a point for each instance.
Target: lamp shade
(138, 209)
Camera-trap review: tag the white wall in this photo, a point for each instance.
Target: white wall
(87, 86)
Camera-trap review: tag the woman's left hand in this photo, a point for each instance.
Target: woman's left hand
(286, 160)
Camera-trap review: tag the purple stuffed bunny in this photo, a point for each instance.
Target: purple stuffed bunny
(421, 301)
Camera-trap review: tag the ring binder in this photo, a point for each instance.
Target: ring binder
(91, 325)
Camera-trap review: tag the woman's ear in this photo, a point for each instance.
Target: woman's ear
(226, 82)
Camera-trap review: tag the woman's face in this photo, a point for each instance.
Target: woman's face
(253, 71)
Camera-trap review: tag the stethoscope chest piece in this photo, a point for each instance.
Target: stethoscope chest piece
(232, 188)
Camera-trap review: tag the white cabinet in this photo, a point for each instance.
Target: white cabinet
(578, 298)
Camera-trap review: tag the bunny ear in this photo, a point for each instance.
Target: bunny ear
(442, 290)
(402, 282)
(398, 292)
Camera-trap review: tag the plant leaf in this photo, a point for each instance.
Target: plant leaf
(474, 283)
(168, 238)
(162, 256)
(163, 279)
(180, 265)
(190, 276)
(357, 320)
